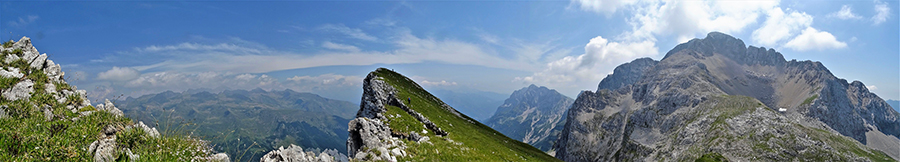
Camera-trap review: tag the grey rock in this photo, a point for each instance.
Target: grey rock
(38, 62)
(21, 90)
(48, 114)
(219, 157)
(3, 111)
(104, 149)
(534, 115)
(152, 132)
(373, 135)
(109, 107)
(11, 57)
(53, 71)
(295, 153)
(12, 73)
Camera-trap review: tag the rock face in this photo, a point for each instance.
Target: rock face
(534, 115)
(295, 153)
(715, 96)
(627, 74)
(370, 138)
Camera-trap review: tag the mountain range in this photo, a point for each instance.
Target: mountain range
(247, 124)
(717, 98)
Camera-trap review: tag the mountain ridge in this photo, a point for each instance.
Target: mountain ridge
(689, 105)
(423, 128)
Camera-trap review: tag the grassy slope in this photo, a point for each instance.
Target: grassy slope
(26, 136)
(467, 141)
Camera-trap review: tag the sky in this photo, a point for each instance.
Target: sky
(117, 49)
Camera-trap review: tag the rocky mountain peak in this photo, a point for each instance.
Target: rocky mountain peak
(533, 115)
(706, 94)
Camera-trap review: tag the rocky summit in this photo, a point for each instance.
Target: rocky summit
(534, 115)
(718, 98)
(399, 121)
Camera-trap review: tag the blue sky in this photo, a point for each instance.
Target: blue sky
(133, 48)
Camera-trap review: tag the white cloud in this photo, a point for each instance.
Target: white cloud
(882, 12)
(780, 26)
(249, 57)
(688, 19)
(119, 74)
(352, 32)
(327, 79)
(812, 39)
(872, 87)
(23, 21)
(199, 47)
(600, 58)
(438, 83)
(601, 6)
(845, 13)
(342, 47)
(180, 81)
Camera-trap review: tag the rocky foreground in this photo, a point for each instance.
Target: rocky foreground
(43, 118)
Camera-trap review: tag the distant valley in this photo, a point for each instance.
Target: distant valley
(247, 124)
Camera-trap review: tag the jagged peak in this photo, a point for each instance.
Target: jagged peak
(727, 45)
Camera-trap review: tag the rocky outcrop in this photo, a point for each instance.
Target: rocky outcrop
(29, 76)
(689, 104)
(534, 115)
(370, 137)
(295, 153)
(627, 74)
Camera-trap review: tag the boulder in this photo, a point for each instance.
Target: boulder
(21, 90)
(12, 73)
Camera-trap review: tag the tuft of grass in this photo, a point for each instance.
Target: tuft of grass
(810, 99)
(8, 82)
(8, 44)
(62, 86)
(711, 157)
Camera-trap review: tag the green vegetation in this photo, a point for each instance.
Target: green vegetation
(42, 129)
(8, 82)
(711, 157)
(810, 99)
(468, 140)
(8, 44)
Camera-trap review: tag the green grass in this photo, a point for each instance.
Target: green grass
(8, 82)
(711, 157)
(468, 140)
(8, 44)
(810, 99)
